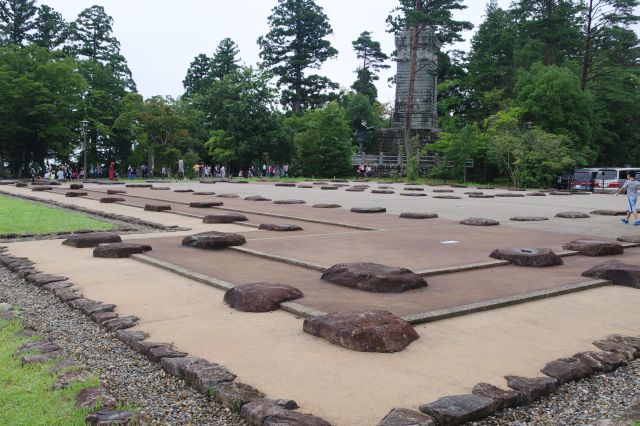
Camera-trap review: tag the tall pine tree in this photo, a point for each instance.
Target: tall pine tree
(295, 44)
(17, 20)
(225, 59)
(51, 30)
(373, 59)
(198, 76)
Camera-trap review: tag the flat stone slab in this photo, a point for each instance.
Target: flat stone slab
(601, 361)
(560, 193)
(536, 257)
(363, 331)
(368, 210)
(304, 186)
(326, 206)
(528, 219)
(410, 215)
(480, 196)
(92, 240)
(224, 218)
(478, 221)
(177, 366)
(413, 194)
(502, 398)
(286, 184)
(355, 189)
(234, 395)
(157, 207)
(609, 212)
(160, 188)
(532, 388)
(205, 376)
(68, 378)
(289, 202)
(459, 409)
(412, 188)
(447, 197)
(157, 353)
(279, 227)
(230, 196)
(108, 416)
(42, 279)
(204, 193)
(373, 277)
(101, 317)
(288, 417)
(567, 370)
(257, 410)
(213, 240)
(633, 239)
(128, 337)
(404, 417)
(382, 191)
(616, 272)
(628, 352)
(594, 247)
(442, 191)
(38, 346)
(256, 198)
(139, 185)
(111, 200)
(91, 397)
(74, 194)
(183, 190)
(41, 188)
(329, 188)
(260, 297)
(536, 194)
(509, 195)
(121, 323)
(205, 204)
(120, 250)
(573, 215)
(116, 191)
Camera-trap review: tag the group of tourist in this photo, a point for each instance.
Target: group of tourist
(132, 172)
(364, 170)
(275, 171)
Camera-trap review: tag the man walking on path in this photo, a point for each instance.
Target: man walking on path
(631, 186)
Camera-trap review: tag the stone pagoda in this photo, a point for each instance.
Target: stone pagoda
(424, 120)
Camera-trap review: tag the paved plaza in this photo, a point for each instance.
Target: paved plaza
(478, 319)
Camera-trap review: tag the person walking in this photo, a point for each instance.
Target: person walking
(631, 186)
(112, 170)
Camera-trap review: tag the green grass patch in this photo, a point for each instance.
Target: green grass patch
(18, 216)
(26, 397)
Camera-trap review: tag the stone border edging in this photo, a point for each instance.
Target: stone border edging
(210, 379)
(281, 259)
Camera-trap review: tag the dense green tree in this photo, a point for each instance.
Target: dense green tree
(198, 76)
(608, 40)
(460, 147)
(491, 62)
(296, 42)
(17, 20)
(39, 92)
(225, 59)
(553, 101)
(364, 119)
(244, 124)
(373, 59)
(51, 30)
(323, 142)
(91, 37)
(549, 31)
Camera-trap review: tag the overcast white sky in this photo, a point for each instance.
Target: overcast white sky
(160, 38)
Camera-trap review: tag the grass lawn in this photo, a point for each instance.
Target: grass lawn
(26, 397)
(18, 216)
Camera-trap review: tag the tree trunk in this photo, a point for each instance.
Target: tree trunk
(152, 159)
(412, 83)
(548, 40)
(586, 60)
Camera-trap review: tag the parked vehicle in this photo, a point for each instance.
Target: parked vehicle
(584, 179)
(613, 178)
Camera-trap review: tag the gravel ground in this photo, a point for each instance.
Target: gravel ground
(129, 376)
(598, 400)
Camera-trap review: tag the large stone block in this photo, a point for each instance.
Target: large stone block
(459, 409)
(293, 418)
(594, 247)
(616, 272)
(567, 370)
(213, 240)
(205, 204)
(279, 227)
(602, 361)
(368, 210)
(374, 277)
(224, 218)
(478, 221)
(92, 240)
(536, 257)
(204, 377)
(502, 398)
(91, 397)
(178, 366)
(364, 331)
(418, 216)
(532, 388)
(120, 250)
(260, 297)
(234, 395)
(404, 417)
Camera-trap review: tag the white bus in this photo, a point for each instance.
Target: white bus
(613, 178)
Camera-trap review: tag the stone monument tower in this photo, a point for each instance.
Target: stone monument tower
(424, 120)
